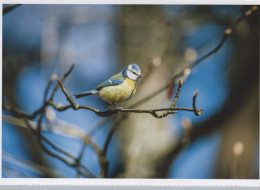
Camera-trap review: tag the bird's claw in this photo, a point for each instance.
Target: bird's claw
(118, 109)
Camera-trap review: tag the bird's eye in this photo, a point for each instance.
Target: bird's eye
(133, 72)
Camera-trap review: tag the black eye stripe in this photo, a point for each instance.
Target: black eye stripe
(133, 72)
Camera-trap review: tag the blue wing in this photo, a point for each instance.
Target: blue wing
(109, 83)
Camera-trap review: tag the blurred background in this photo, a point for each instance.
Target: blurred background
(42, 40)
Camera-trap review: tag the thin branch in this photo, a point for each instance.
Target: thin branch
(28, 165)
(46, 150)
(108, 113)
(181, 145)
(11, 173)
(196, 111)
(226, 34)
(53, 77)
(62, 80)
(38, 128)
(41, 137)
(104, 165)
(19, 113)
(70, 131)
(177, 93)
(88, 141)
(99, 123)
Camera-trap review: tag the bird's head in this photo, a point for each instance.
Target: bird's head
(132, 72)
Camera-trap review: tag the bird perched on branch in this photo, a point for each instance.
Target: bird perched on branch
(119, 87)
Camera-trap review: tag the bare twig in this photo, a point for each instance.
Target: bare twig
(59, 130)
(182, 145)
(62, 80)
(108, 113)
(226, 34)
(196, 111)
(37, 131)
(46, 150)
(19, 113)
(104, 165)
(30, 166)
(69, 131)
(177, 93)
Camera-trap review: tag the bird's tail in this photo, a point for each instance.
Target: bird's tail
(87, 93)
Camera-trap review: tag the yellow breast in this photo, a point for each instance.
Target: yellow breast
(118, 93)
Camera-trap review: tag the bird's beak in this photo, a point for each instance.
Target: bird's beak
(140, 76)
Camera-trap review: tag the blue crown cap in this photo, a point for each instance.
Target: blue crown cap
(136, 67)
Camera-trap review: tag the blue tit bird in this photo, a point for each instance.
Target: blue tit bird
(119, 87)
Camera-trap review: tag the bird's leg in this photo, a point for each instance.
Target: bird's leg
(117, 108)
(109, 106)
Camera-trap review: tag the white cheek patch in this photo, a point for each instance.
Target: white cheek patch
(130, 67)
(131, 75)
